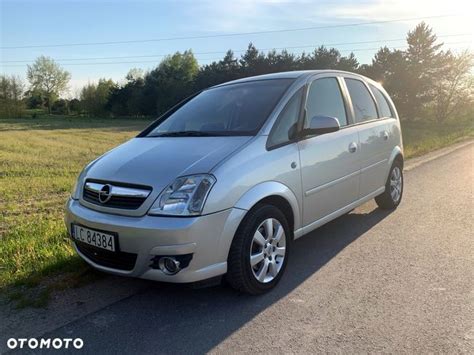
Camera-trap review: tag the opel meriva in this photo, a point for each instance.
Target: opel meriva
(223, 182)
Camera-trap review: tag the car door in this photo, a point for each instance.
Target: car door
(373, 136)
(390, 129)
(329, 162)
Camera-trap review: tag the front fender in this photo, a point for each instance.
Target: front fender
(249, 199)
(267, 189)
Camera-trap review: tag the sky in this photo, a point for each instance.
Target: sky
(38, 26)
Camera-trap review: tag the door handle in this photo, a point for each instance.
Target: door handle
(352, 147)
(385, 135)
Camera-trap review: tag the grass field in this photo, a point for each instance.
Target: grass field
(39, 161)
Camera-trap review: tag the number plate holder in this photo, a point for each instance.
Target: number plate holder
(111, 238)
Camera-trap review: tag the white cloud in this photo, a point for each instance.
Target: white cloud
(384, 10)
(248, 15)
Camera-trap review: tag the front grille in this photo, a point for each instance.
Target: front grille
(112, 259)
(124, 199)
(128, 203)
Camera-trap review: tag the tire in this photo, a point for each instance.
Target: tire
(393, 193)
(272, 250)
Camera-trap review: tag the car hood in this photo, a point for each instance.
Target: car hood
(157, 161)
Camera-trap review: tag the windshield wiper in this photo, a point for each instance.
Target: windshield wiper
(187, 134)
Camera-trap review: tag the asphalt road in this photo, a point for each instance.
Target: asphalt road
(370, 281)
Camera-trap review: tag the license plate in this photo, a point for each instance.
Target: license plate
(92, 237)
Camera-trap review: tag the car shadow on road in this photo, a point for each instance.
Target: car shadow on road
(171, 318)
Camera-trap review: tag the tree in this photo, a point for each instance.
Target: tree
(349, 63)
(390, 69)
(135, 74)
(253, 62)
(226, 69)
(424, 61)
(87, 97)
(60, 107)
(74, 106)
(454, 87)
(170, 82)
(49, 78)
(324, 58)
(34, 99)
(11, 94)
(283, 61)
(94, 98)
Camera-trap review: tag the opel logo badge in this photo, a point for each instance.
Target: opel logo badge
(105, 193)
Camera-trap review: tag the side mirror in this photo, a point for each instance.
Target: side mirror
(321, 125)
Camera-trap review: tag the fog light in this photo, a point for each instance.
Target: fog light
(169, 265)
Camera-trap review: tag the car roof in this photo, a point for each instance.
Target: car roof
(297, 74)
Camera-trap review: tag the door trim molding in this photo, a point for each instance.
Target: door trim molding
(330, 183)
(373, 165)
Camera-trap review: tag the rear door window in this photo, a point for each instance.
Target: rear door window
(325, 99)
(384, 106)
(362, 102)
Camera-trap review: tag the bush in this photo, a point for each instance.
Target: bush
(60, 107)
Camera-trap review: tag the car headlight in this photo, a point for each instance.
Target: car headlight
(184, 197)
(76, 191)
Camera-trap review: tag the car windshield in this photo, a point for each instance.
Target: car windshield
(229, 110)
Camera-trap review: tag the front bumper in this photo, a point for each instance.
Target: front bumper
(207, 237)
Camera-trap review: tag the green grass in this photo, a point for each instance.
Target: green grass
(40, 159)
(39, 162)
(422, 137)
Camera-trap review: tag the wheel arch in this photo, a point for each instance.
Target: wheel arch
(396, 154)
(274, 193)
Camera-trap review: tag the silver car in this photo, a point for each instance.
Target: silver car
(223, 182)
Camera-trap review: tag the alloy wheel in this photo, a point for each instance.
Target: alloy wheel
(396, 182)
(268, 250)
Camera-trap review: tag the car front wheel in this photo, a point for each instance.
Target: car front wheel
(259, 251)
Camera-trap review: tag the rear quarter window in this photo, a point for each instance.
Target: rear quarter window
(362, 102)
(384, 107)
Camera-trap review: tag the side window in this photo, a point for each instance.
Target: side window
(364, 105)
(384, 106)
(288, 117)
(325, 98)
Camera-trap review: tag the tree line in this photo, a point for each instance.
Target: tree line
(424, 80)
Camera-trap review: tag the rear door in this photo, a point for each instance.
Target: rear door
(329, 162)
(373, 136)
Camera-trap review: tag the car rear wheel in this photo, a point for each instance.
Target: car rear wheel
(259, 251)
(393, 193)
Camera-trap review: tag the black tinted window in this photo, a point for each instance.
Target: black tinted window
(384, 107)
(364, 106)
(229, 110)
(325, 99)
(287, 119)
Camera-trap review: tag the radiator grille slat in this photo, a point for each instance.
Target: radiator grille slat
(122, 202)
